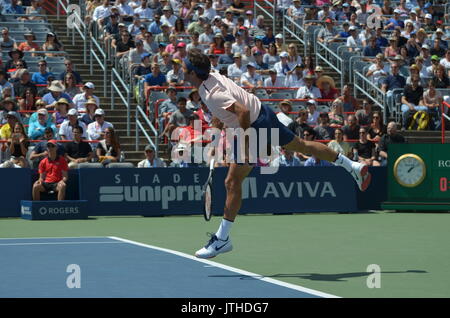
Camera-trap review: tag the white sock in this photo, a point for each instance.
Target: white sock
(343, 161)
(224, 229)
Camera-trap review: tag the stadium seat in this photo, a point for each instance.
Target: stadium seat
(90, 165)
(120, 165)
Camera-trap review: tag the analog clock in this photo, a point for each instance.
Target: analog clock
(409, 170)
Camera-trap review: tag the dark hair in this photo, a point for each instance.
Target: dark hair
(200, 62)
(311, 131)
(181, 99)
(177, 24)
(79, 128)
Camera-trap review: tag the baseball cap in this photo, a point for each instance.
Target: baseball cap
(286, 102)
(91, 101)
(89, 85)
(251, 64)
(328, 20)
(318, 69)
(13, 114)
(249, 12)
(165, 8)
(397, 11)
(149, 148)
(122, 24)
(51, 142)
(72, 112)
(425, 46)
(435, 57)
(311, 101)
(237, 55)
(181, 44)
(42, 111)
(144, 55)
(279, 36)
(99, 112)
(428, 16)
(427, 5)
(284, 54)
(346, 5)
(352, 28)
(439, 31)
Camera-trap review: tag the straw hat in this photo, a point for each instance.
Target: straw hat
(56, 86)
(324, 79)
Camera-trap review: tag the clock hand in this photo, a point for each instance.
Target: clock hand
(410, 169)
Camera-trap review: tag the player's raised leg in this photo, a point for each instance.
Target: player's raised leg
(220, 242)
(359, 171)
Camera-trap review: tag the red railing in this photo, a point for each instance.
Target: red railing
(445, 107)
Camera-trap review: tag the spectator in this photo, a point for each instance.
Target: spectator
(194, 102)
(40, 151)
(7, 129)
(78, 150)
(339, 145)
(432, 99)
(181, 158)
(18, 145)
(284, 116)
(56, 92)
(323, 130)
(446, 61)
(65, 130)
(29, 45)
(108, 149)
(70, 85)
(135, 28)
(286, 159)
(41, 76)
(394, 21)
(91, 107)
(176, 75)
(156, 26)
(380, 39)
(69, 69)
(247, 57)
(250, 21)
(112, 28)
(279, 43)
(328, 33)
(440, 79)
(313, 113)
(171, 47)
(414, 72)
(144, 68)
(53, 174)
(351, 130)
(62, 108)
(315, 162)
(250, 78)
(271, 57)
(437, 49)
(393, 49)
(13, 8)
(209, 12)
(391, 137)
(126, 11)
(8, 104)
(327, 89)
(144, 12)
(309, 135)
(227, 56)
(376, 128)
(165, 65)
(236, 69)
(299, 125)
(261, 67)
(273, 80)
(179, 118)
(378, 70)
(88, 93)
(24, 83)
(151, 161)
(372, 49)
(195, 43)
(52, 44)
(207, 36)
(17, 71)
(39, 104)
(149, 44)
(168, 17)
(154, 79)
(134, 57)
(364, 115)
(123, 45)
(309, 90)
(393, 81)
(353, 41)
(102, 13)
(96, 130)
(364, 150)
(5, 84)
(337, 116)
(294, 78)
(309, 66)
(7, 43)
(424, 58)
(167, 107)
(259, 29)
(36, 130)
(179, 29)
(412, 94)
(259, 46)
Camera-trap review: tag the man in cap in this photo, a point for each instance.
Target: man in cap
(155, 26)
(296, 11)
(36, 130)
(236, 108)
(251, 79)
(53, 175)
(434, 66)
(40, 151)
(328, 33)
(309, 90)
(88, 92)
(151, 160)
(56, 92)
(395, 21)
(274, 80)
(180, 51)
(96, 130)
(144, 68)
(176, 75)
(164, 36)
(168, 17)
(353, 41)
(283, 116)
(78, 150)
(282, 66)
(65, 130)
(261, 67)
(13, 8)
(41, 76)
(236, 69)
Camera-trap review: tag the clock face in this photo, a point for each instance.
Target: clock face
(409, 170)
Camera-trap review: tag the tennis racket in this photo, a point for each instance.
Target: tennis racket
(207, 193)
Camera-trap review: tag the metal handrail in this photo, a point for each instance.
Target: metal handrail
(97, 58)
(366, 86)
(126, 100)
(270, 4)
(338, 66)
(139, 126)
(295, 29)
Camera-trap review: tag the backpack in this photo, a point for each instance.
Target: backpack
(420, 121)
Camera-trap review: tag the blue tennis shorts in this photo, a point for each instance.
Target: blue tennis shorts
(268, 119)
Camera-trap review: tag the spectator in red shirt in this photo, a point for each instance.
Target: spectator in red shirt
(52, 174)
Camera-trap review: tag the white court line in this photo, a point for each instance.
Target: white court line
(58, 243)
(231, 269)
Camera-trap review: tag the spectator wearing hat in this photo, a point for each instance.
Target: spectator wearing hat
(5, 84)
(378, 70)
(209, 11)
(42, 75)
(144, 68)
(16, 57)
(126, 12)
(7, 43)
(296, 11)
(328, 33)
(24, 83)
(431, 70)
(323, 130)
(236, 69)
(36, 130)
(176, 75)
(52, 44)
(194, 102)
(229, 18)
(78, 150)
(393, 49)
(88, 92)
(69, 70)
(145, 13)
(39, 104)
(309, 90)
(135, 28)
(12, 118)
(429, 25)
(91, 107)
(53, 174)
(414, 72)
(180, 51)
(313, 113)
(164, 36)
(286, 158)
(353, 41)
(274, 80)
(167, 17)
(40, 150)
(424, 56)
(327, 87)
(251, 79)
(395, 21)
(44, 91)
(29, 45)
(96, 130)
(12, 8)
(282, 66)
(151, 160)
(65, 130)
(279, 42)
(250, 21)
(283, 116)
(61, 110)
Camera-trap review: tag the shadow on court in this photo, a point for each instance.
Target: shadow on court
(323, 277)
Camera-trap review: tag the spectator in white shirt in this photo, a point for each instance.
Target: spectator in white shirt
(168, 18)
(283, 116)
(353, 40)
(96, 130)
(126, 12)
(313, 114)
(273, 80)
(151, 161)
(250, 21)
(101, 13)
(251, 78)
(236, 69)
(282, 66)
(209, 12)
(80, 99)
(239, 45)
(294, 78)
(309, 90)
(65, 130)
(145, 13)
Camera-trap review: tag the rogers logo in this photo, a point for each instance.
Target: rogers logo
(43, 211)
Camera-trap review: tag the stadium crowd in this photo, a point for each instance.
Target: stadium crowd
(150, 39)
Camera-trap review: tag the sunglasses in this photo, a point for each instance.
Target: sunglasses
(51, 146)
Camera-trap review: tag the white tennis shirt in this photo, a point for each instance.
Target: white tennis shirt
(218, 92)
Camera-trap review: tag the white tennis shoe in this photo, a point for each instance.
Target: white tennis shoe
(360, 173)
(214, 247)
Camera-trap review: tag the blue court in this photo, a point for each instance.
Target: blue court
(116, 267)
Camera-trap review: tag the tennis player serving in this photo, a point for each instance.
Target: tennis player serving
(237, 108)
